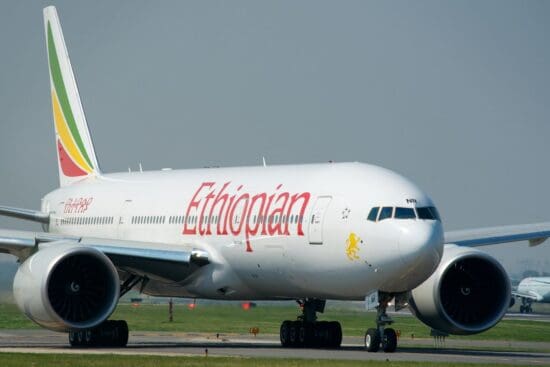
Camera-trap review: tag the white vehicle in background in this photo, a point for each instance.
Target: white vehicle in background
(530, 290)
(299, 232)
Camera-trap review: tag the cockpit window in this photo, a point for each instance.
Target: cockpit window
(385, 213)
(373, 214)
(404, 213)
(428, 212)
(435, 213)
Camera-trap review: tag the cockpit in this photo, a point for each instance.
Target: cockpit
(378, 213)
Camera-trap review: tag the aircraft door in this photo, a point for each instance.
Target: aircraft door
(124, 219)
(317, 219)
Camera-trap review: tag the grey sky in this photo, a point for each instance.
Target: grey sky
(454, 95)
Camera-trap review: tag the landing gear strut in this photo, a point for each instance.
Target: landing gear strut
(109, 334)
(308, 332)
(381, 336)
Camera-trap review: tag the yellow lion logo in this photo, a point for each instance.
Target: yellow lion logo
(353, 246)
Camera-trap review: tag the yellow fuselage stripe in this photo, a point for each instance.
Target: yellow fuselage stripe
(65, 135)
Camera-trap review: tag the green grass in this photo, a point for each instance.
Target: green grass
(12, 318)
(230, 318)
(70, 360)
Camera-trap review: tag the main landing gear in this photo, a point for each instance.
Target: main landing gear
(526, 305)
(307, 332)
(109, 334)
(381, 336)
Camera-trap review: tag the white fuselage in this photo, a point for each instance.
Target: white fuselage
(538, 287)
(275, 232)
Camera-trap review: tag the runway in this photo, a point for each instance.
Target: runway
(188, 344)
(541, 317)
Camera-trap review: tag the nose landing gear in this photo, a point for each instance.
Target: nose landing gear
(381, 336)
(307, 332)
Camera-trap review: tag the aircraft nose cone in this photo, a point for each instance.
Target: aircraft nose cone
(421, 246)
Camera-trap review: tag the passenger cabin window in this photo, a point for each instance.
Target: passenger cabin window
(385, 213)
(428, 213)
(404, 213)
(373, 214)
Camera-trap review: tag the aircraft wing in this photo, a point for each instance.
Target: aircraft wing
(28, 214)
(152, 260)
(534, 233)
(529, 295)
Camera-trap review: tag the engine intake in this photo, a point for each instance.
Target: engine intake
(467, 294)
(64, 287)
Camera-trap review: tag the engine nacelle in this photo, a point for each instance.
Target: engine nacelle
(67, 286)
(467, 294)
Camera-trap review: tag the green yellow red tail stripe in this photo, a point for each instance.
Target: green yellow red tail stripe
(66, 141)
(73, 157)
(68, 167)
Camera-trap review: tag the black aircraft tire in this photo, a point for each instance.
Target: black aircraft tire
(293, 333)
(122, 331)
(372, 340)
(335, 330)
(389, 340)
(73, 340)
(284, 333)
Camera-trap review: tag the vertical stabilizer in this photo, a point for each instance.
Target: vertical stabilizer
(75, 150)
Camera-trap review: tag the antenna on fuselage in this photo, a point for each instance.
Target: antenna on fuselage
(140, 168)
(263, 161)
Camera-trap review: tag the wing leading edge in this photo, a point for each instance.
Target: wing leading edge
(157, 261)
(27, 214)
(530, 295)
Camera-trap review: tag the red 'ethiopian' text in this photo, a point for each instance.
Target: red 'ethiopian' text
(77, 205)
(218, 211)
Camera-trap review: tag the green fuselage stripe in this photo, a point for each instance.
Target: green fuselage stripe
(62, 95)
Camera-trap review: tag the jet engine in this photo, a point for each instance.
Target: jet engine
(467, 294)
(66, 287)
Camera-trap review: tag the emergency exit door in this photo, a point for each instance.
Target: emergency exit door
(317, 219)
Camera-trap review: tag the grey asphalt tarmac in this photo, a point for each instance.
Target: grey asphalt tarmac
(182, 344)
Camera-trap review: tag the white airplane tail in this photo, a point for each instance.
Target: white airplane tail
(75, 150)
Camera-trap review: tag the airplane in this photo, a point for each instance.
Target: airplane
(532, 289)
(310, 233)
